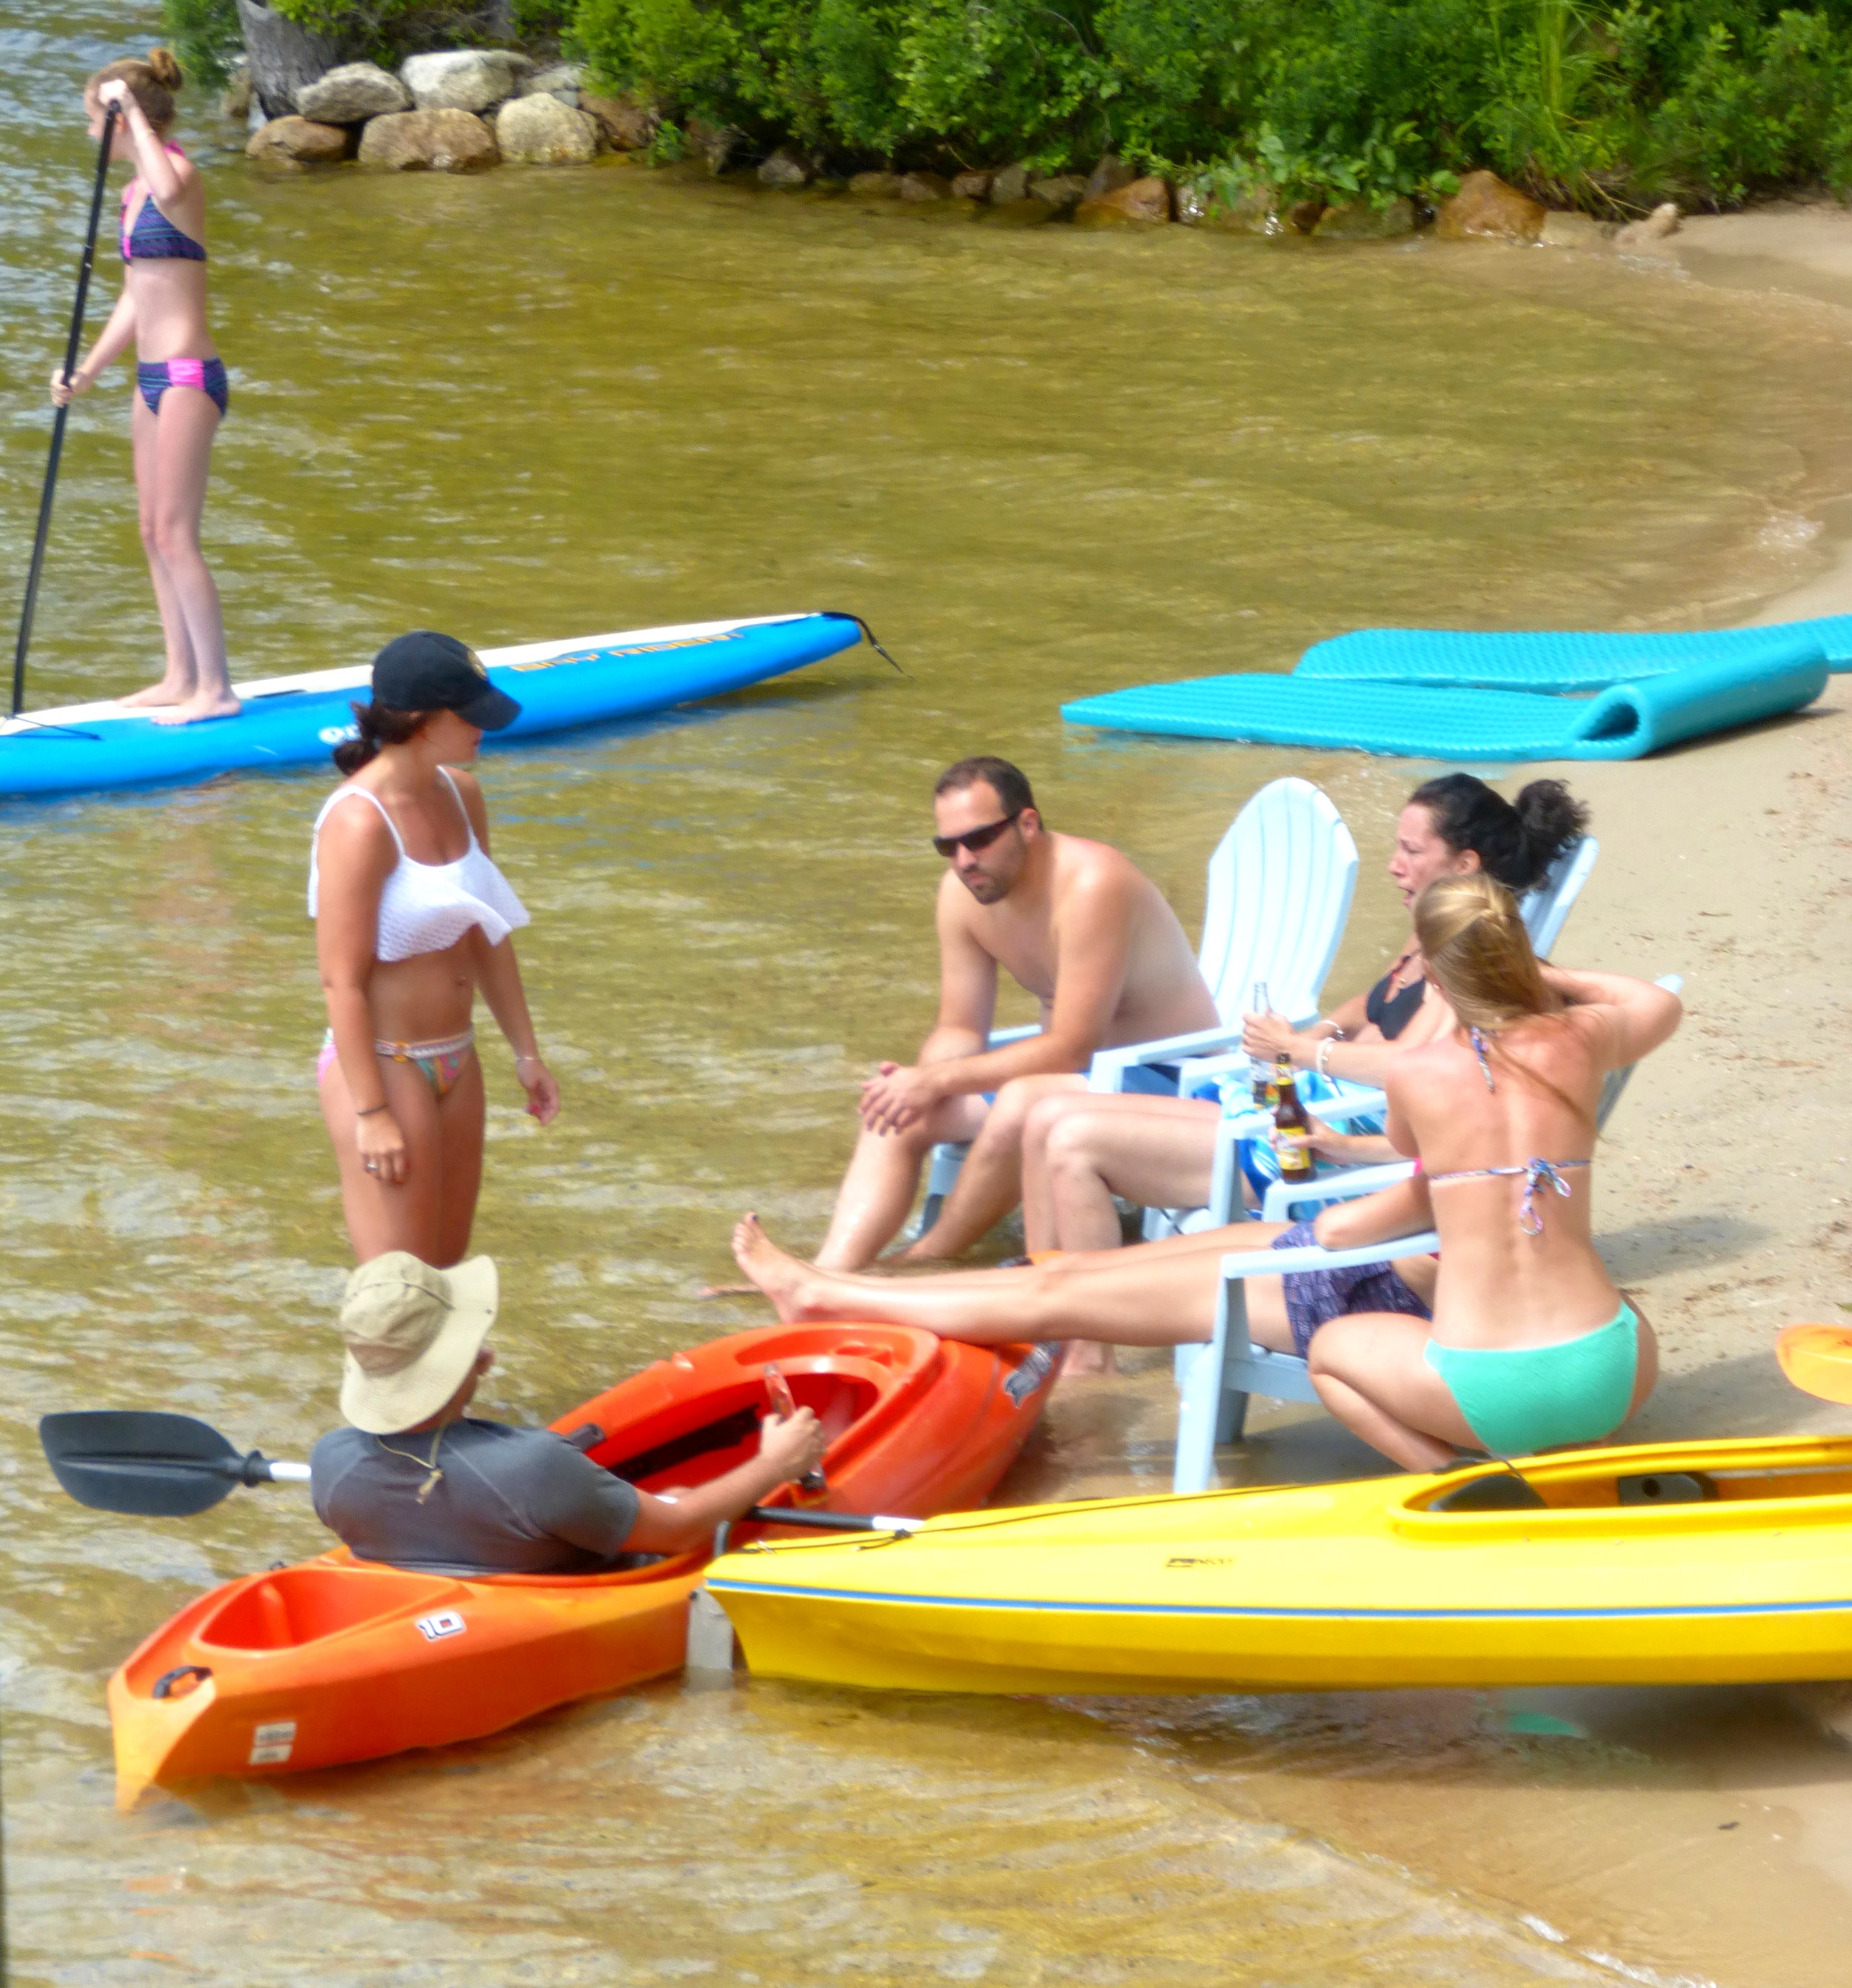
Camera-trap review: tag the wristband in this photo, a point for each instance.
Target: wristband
(1318, 1062)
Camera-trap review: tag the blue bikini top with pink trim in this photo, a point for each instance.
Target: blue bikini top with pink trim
(154, 239)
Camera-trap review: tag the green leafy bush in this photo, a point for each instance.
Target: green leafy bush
(205, 34)
(1605, 104)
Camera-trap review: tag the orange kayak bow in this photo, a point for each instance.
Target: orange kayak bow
(335, 1660)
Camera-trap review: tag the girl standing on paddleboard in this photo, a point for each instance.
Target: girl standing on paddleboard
(180, 392)
(412, 918)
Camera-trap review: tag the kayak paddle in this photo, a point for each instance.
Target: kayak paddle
(57, 449)
(1818, 1360)
(152, 1465)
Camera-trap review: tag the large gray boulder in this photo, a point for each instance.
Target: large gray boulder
(464, 79)
(437, 141)
(283, 57)
(562, 80)
(352, 93)
(542, 131)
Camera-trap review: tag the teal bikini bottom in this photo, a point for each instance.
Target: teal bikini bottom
(1521, 1398)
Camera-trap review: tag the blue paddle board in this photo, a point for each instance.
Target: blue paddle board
(292, 720)
(1561, 660)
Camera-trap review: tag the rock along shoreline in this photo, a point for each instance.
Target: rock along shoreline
(463, 111)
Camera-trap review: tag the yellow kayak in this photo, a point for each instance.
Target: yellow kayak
(1688, 1562)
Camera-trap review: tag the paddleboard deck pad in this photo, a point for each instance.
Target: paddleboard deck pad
(1566, 660)
(296, 720)
(1420, 722)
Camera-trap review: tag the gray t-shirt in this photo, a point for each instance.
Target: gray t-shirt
(510, 1501)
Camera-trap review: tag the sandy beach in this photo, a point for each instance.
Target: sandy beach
(1716, 1836)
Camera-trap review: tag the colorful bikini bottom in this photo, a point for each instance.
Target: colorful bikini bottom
(441, 1063)
(208, 375)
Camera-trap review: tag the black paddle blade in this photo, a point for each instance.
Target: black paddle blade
(140, 1461)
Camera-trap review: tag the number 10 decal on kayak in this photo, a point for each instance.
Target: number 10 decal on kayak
(294, 720)
(446, 1622)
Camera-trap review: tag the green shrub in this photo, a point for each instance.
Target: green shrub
(204, 34)
(1611, 106)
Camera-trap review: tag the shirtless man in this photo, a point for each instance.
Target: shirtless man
(1086, 932)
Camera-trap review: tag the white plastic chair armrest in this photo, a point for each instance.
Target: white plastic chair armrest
(1108, 1069)
(1193, 1070)
(1347, 1184)
(1358, 1104)
(1276, 1262)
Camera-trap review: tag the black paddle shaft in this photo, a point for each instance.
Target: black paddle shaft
(70, 367)
(146, 1463)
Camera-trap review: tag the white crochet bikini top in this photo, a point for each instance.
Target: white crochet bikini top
(427, 907)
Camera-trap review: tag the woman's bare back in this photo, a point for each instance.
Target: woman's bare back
(1519, 1266)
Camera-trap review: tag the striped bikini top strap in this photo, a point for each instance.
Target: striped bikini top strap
(1538, 1174)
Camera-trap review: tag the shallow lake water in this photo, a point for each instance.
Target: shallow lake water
(1041, 463)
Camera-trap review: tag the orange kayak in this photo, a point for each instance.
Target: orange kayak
(335, 1659)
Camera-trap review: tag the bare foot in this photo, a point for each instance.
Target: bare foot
(1088, 1356)
(197, 709)
(792, 1285)
(163, 692)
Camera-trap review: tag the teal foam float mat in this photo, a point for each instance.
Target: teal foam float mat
(1419, 722)
(1565, 659)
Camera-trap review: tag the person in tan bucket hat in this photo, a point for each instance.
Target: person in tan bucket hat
(416, 1482)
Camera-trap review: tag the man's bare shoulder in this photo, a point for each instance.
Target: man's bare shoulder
(1096, 870)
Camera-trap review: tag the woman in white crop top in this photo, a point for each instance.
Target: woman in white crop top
(412, 918)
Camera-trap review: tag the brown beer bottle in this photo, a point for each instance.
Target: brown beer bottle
(1291, 1129)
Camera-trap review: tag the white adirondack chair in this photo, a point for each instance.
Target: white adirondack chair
(1280, 889)
(1544, 910)
(1215, 1380)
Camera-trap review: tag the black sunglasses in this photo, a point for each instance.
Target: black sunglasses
(973, 839)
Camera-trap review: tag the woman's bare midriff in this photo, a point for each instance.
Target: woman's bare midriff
(170, 311)
(426, 997)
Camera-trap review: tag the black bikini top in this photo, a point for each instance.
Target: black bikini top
(1392, 1012)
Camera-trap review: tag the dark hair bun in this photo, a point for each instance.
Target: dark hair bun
(1516, 844)
(164, 68)
(1552, 818)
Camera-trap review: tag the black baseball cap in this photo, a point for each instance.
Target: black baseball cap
(424, 672)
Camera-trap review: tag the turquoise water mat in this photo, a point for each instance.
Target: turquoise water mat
(291, 721)
(1420, 722)
(1563, 659)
